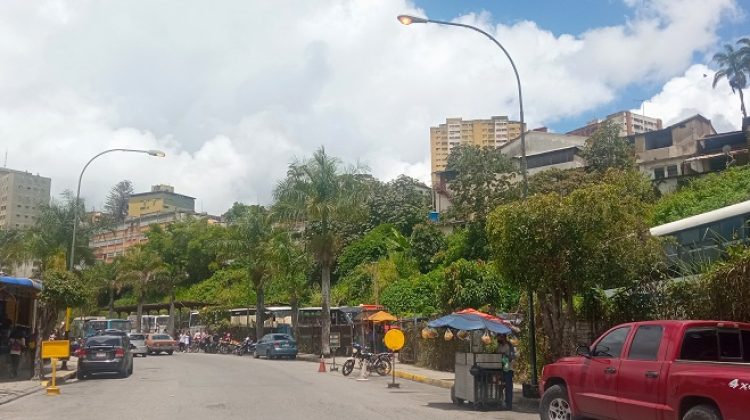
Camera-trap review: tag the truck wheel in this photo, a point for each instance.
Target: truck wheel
(555, 404)
(702, 412)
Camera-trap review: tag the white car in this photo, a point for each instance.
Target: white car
(139, 341)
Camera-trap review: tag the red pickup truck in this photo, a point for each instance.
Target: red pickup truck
(655, 370)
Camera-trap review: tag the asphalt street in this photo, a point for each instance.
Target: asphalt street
(209, 386)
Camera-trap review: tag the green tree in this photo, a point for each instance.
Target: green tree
(291, 267)
(402, 202)
(563, 247)
(426, 241)
(605, 149)
(317, 193)
(142, 269)
(102, 279)
(483, 180)
(13, 249)
(235, 212)
(561, 181)
(248, 246)
(470, 284)
(117, 201)
(733, 66)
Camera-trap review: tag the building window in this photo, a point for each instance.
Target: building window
(658, 173)
(672, 171)
(658, 139)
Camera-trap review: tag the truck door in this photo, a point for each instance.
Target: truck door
(639, 383)
(598, 392)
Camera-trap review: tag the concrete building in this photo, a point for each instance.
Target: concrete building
(21, 196)
(161, 199)
(493, 132)
(546, 151)
(630, 124)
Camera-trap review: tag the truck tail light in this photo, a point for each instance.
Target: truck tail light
(119, 352)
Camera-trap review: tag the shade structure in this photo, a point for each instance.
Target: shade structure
(382, 316)
(470, 322)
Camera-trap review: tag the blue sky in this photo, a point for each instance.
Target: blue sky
(575, 18)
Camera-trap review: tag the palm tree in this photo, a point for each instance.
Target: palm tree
(316, 193)
(291, 268)
(102, 279)
(732, 65)
(141, 269)
(247, 246)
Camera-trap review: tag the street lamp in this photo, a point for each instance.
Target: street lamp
(156, 153)
(408, 20)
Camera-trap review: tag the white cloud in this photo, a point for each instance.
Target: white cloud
(235, 90)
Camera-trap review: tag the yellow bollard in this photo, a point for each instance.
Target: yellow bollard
(53, 389)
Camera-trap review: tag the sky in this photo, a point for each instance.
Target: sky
(235, 90)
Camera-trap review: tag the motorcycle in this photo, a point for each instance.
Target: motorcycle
(247, 346)
(371, 362)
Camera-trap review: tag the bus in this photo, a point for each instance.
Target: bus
(703, 238)
(91, 327)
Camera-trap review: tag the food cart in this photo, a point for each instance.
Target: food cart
(478, 376)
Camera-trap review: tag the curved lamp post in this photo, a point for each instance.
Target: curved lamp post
(408, 20)
(157, 153)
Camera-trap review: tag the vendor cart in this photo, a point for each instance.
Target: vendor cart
(478, 376)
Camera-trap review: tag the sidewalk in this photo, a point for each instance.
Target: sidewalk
(11, 390)
(433, 377)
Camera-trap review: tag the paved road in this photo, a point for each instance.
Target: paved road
(209, 387)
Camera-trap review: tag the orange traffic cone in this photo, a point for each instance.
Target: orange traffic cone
(322, 366)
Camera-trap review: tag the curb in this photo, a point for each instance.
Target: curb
(423, 379)
(34, 389)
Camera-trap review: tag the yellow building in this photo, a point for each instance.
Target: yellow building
(493, 132)
(161, 199)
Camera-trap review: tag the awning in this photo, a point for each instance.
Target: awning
(382, 316)
(22, 282)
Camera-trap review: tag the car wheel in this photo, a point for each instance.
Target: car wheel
(292, 357)
(143, 354)
(256, 355)
(80, 375)
(555, 404)
(130, 370)
(123, 373)
(702, 412)
(170, 352)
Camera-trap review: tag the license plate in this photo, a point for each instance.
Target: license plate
(101, 355)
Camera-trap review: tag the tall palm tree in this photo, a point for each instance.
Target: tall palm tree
(324, 198)
(247, 246)
(291, 266)
(732, 68)
(141, 269)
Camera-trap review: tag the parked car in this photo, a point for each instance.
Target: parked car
(158, 343)
(138, 340)
(105, 354)
(665, 370)
(276, 345)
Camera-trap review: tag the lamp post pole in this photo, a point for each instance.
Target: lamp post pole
(157, 153)
(408, 20)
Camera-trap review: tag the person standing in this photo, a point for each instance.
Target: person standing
(508, 357)
(17, 344)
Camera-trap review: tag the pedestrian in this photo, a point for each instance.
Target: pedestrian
(17, 344)
(508, 357)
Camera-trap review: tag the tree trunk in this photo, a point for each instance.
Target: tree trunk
(742, 104)
(170, 323)
(259, 312)
(111, 303)
(325, 315)
(139, 314)
(295, 317)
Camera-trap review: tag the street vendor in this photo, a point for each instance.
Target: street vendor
(508, 356)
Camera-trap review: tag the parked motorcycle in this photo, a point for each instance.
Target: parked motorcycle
(247, 346)
(371, 362)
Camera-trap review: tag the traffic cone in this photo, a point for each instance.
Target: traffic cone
(322, 366)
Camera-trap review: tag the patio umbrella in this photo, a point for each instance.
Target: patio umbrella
(470, 322)
(382, 316)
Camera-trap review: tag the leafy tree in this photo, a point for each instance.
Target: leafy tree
(402, 202)
(561, 181)
(469, 284)
(235, 212)
(229, 286)
(13, 248)
(483, 180)
(415, 295)
(317, 193)
(117, 201)
(102, 279)
(734, 66)
(704, 194)
(562, 247)
(605, 149)
(426, 241)
(374, 245)
(248, 246)
(141, 269)
(291, 266)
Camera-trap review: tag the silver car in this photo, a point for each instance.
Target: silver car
(139, 341)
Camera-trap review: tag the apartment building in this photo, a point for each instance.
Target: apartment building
(21, 196)
(629, 122)
(161, 199)
(493, 132)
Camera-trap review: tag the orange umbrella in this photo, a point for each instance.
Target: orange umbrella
(381, 316)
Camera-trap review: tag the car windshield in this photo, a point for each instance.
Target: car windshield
(161, 337)
(282, 337)
(103, 340)
(137, 337)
